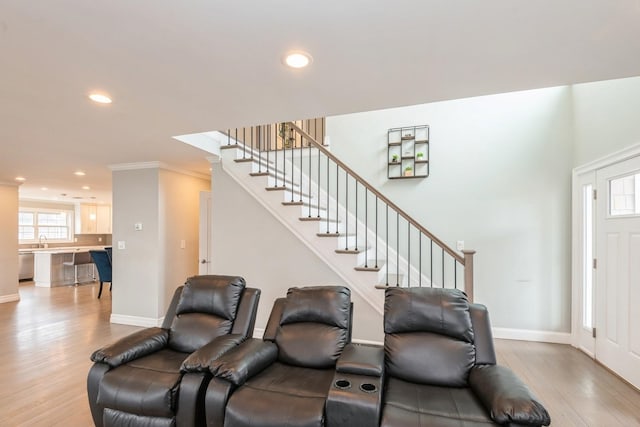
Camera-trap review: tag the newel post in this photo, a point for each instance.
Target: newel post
(468, 273)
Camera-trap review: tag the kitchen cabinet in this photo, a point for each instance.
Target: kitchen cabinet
(93, 219)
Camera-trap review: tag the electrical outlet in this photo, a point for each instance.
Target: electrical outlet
(99, 239)
(121, 244)
(460, 245)
(137, 226)
(183, 244)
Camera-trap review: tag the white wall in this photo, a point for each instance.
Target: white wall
(500, 181)
(249, 242)
(137, 268)
(607, 118)
(8, 242)
(153, 265)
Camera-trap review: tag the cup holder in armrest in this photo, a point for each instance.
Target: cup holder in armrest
(342, 384)
(368, 388)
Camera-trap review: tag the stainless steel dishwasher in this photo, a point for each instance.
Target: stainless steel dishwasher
(25, 265)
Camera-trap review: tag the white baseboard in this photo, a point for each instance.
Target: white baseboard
(146, 322)
(532, 335)
(10, 298)
(258, 332)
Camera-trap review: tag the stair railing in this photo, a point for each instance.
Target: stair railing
(353, 209)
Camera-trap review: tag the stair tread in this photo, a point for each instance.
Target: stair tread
(330, 234)
(228, 146)
(318, 218)
(350, 251)
(259, 174)
(369, 267)
(298, 203)
(243, 160)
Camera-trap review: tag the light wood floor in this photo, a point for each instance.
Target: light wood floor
(46, 340)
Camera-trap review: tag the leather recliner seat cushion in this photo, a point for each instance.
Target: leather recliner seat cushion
(147, 386)
(281, 395)
(314, 326)
(206, 310)
(429, 336)
(419, 405)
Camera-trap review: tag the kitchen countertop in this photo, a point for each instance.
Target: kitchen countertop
(61, 250)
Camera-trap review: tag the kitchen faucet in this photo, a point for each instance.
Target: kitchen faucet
(46, 245)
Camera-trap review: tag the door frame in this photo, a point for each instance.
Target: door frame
(576, 239)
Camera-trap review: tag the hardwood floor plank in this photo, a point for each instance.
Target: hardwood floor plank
(47, 337)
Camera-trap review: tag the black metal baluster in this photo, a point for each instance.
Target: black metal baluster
(276, 154)
(386, 260)
(419, 258)
(260, 143)
(356, 242)
(376, 232)
(409, 253)
(366, 227)
(284, 155)
(318, 196)
(309, 177)
(443, 267)
(337, 195)
(228, 136)
(252, 129)
(397, 249)
(244, 142)
(327, 191)
(431, 264)
(455, 274)
(268, 151)
(346, 210)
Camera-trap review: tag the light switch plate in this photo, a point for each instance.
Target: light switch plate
(183, 244)
(137, 226)
(460, 245)
(121, 244)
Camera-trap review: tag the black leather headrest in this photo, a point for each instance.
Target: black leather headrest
(320, 304)
(441, 311)
(218, 295)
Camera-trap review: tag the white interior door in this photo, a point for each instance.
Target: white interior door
(585, 213)
(618, 269)
(204, 241)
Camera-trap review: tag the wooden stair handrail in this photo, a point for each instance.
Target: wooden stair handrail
(381, 196)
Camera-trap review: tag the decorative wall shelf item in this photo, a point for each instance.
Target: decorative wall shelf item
(408, 152)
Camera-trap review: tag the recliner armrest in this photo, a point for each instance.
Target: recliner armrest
(506, 397)
(132, 347)
(361, 360)
(200, 360)
(244, 361)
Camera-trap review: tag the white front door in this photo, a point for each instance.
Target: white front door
(618, 269)
(204, 241)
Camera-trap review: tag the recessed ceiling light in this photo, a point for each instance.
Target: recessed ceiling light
(21, 178)
(44, 188)
(86, 187)
(79, 173)
(100, 98)
(297, 59)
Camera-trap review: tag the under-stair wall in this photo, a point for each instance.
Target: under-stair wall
(250, 241)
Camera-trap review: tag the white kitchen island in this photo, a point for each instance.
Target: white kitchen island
(49, 270)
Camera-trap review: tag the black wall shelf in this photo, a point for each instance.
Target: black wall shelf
(408, 152)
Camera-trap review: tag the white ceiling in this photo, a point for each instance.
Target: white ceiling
(177, 67)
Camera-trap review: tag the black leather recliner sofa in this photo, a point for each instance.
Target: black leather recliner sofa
(437, 368)
(142, 379)
(441, 365)
(283, 379)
